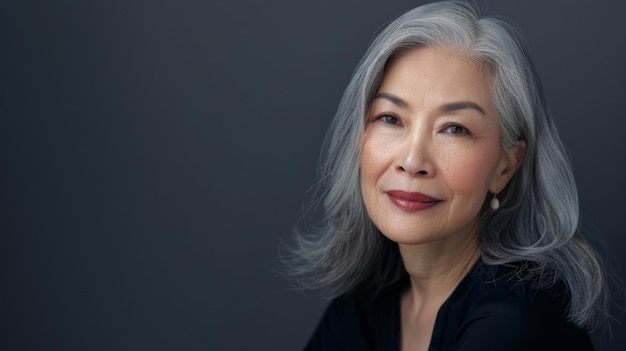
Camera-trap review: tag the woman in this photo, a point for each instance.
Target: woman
(451, 210)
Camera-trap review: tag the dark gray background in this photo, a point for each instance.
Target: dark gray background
(155, 153)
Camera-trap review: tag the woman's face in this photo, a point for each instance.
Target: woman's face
(432, 148)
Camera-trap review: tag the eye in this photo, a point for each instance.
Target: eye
(388, 119)
(456, 129)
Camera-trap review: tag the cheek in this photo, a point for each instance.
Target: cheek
(375, 158)
(368, 172)
(471, 173)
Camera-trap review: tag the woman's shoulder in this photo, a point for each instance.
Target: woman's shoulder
(512, 287)
(361, 319)
(495, 305)
(511, 284)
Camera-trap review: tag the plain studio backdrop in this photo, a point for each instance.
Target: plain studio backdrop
(154, 154)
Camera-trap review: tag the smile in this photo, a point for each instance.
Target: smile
(411, 201)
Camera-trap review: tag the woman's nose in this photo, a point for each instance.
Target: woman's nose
(414, 157)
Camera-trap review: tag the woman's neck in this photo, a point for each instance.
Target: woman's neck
(435, 270)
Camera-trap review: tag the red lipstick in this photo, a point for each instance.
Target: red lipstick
(411, 201)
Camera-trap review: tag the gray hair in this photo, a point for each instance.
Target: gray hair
(538, 221)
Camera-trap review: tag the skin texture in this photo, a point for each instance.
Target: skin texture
(433, 128)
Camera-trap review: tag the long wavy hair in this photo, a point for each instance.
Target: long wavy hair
(538, 222)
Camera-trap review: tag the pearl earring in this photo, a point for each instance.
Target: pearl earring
(495, 203)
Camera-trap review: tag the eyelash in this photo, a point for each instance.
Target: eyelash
(464, 131)
(385, 118)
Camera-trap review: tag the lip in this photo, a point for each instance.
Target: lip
(411, 201)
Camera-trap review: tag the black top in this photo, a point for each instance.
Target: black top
(489, 310)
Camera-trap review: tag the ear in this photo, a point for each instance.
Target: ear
(509, 163)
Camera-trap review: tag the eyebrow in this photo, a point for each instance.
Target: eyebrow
(450, 107)
(392, 98)
(461, 105)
